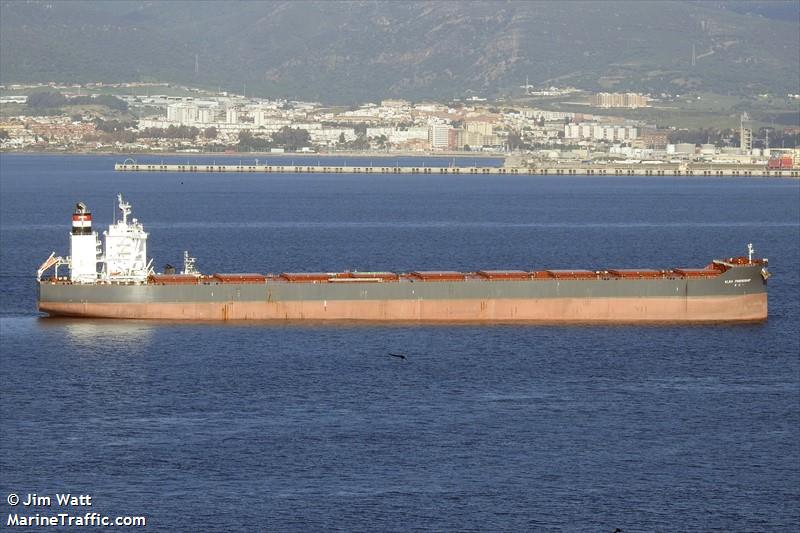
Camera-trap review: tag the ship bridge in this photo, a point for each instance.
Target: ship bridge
(125, 258)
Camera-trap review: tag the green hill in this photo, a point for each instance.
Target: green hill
(356, 51)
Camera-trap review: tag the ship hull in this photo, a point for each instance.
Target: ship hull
(738, 294)
(622, 310)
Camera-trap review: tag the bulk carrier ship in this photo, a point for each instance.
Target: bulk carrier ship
(115, 279)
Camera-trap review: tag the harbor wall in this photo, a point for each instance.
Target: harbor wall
(590, 170)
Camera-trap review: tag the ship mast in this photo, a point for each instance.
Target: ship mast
(125, 207)
(188, 264)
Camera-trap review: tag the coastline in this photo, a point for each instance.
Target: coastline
(383, 155)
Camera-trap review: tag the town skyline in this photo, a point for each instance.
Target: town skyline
(604, 128)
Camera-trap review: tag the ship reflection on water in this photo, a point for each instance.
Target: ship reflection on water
(103, 335)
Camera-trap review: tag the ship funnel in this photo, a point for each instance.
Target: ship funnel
(81, 220)
(83, 247)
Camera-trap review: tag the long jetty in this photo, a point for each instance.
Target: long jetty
(583, 170)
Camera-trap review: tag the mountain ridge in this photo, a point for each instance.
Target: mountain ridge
(346, 52)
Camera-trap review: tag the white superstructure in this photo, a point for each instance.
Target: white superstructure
(125, 257)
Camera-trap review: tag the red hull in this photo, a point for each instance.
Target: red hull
(752, 307)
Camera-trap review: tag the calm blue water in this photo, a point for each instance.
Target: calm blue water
(211, 427)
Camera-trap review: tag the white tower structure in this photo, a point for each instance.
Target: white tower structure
(182, 112)
(206, 114)
(260, 117)
(745, 134)
(84, 247)
(126, 249)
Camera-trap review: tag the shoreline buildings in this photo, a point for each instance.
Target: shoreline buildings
(609, 100)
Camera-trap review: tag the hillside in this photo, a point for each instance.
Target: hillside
(355, 51)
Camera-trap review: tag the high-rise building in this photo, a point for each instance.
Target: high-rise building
(453, 138)
(600, 132)
(205, 115)
(745, 134)
(654, 138)
(260, 117)
(439, 136)
(183, 113)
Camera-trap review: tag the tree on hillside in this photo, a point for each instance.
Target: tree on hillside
(514, 140)
(360, 143)
(779, 138)
(172, 132)
(46, 100)
(210, 133)
(110, 126)
(291, 138)
(107, 100)
(249, 143)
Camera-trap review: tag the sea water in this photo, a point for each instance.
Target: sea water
(308, 427)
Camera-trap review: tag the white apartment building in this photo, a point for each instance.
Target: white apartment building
(183, 113)
(397, 136)
(439, 136)
(206, 115)
(260, 117)
(232, 115)
(599, 132)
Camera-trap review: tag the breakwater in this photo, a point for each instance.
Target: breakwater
(583, 170)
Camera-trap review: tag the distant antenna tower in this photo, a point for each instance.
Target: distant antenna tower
(694, 56)
(527, 86)
(196, 64)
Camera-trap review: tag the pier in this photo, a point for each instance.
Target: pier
(582, 170)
